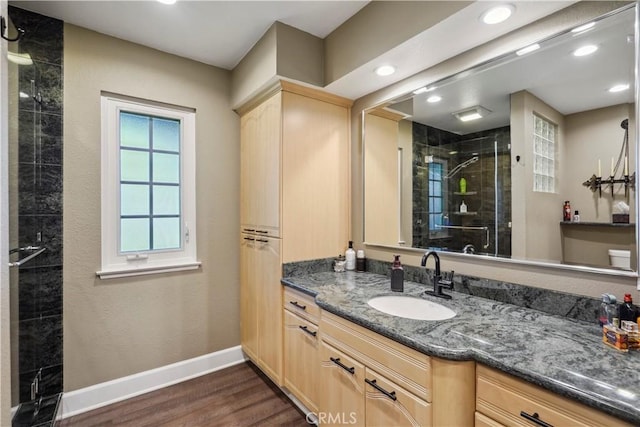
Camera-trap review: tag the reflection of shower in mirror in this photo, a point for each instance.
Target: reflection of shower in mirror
(461, 166)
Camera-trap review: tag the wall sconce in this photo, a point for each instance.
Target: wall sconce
(473, 113)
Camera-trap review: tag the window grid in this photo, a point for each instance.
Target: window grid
(436, 196)
(150, 183)
(544, 149)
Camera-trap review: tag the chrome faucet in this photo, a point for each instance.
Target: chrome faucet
(438, 282)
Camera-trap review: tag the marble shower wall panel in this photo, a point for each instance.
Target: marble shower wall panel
(40, 147)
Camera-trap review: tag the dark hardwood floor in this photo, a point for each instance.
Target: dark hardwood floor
(237, 396)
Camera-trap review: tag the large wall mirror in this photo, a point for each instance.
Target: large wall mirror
(482, 163)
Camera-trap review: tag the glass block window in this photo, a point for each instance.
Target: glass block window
(150, 205)
(148, 188)
(436, 196)
(544, 152)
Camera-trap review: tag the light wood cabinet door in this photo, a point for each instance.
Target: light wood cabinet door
(484, 421)
(301, 366)
(387, 404)
(248, 297)
(342, 383)
(260, 154)
(514, 402)
(315, 178)
(267, 275)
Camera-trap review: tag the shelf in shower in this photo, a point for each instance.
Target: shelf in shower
(466, 213)
(468, 193)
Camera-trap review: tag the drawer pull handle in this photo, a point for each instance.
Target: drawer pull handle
(336, 360)
(249, 238)
(262, 231)
(250, 230)
(296, 304)
(262, 240)
(312, 333)
(374, 384)
(535, 418)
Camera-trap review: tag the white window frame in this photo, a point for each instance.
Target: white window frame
(114, 263)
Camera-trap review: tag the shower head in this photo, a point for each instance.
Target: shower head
(461, 166)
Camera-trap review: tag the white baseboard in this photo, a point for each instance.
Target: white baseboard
(93, 397)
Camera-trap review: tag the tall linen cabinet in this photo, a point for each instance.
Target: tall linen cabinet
(295, 195)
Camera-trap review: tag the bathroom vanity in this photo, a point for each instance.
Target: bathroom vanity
(492, 364)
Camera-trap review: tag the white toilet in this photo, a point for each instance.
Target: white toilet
(620, 259)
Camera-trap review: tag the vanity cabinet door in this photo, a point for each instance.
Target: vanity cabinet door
(248, 298)
(341, 389)
(301, 369)
(387, 404)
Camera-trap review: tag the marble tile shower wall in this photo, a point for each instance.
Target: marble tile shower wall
(481, 180)
(40, 201)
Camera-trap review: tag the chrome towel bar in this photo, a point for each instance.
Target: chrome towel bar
(38, 250)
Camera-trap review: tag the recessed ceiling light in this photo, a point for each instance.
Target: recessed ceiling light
(497, 14)
(453, 152)
(167, 1)
(528, 49)
(619, 88)
(385, 70)
(585, 50)
(434, 98)
(584, 27)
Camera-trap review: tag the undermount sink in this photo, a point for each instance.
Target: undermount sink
(411, 308)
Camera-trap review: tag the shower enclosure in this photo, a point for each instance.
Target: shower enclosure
(35, 217)
(462, 190)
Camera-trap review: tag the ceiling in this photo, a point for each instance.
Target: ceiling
(567, 83)
(220, 33)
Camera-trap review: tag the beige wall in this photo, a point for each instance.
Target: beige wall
(282, 52)
(593, 135)
(117, 327)
(557, 278)
(535, 215)
(361, 38)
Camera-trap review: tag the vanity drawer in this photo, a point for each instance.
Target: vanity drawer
(301, 304)
(508, 400)
(406, 367)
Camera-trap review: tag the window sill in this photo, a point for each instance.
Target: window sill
(141, 271)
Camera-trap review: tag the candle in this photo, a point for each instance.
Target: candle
(626, 165)
(612, 166)
(599, 169)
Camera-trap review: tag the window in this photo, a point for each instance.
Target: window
(148, 188)
(544, 152)
(436, 197)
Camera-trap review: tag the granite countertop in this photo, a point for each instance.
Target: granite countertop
(563, 355)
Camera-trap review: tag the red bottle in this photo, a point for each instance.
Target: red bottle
(566, 214)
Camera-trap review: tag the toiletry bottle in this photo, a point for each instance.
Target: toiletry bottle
(608, 309)
(397, 275)
(463, 207)
(350, 256)
(627, 309)
(360, 260)
(576, 216)
(463, 185)
(566, 211)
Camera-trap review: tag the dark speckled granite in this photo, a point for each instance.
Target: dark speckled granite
(563, 355)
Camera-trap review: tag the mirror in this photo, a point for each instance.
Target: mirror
(482, 162)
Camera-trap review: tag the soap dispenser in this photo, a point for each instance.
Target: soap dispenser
(397, 275)
(463, 207)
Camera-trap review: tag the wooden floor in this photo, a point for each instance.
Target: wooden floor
(237, 396)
